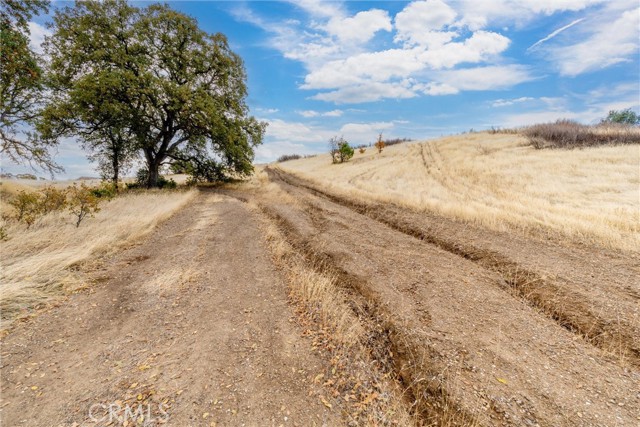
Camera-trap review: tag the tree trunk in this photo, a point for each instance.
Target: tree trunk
(116, 171)
(154, 174)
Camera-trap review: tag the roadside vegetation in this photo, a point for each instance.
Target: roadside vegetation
(50, 235)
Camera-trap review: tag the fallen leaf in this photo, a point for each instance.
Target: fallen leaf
(325, 403)
(502, 380)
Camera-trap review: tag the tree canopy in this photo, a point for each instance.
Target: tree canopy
(626, 117)
(21, 86)
(152, 80)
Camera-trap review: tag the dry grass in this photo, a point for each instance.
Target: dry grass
(43, 262)
(499, 181)
(571, 134)
(363, 391)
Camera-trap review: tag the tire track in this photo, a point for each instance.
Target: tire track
(550, 298)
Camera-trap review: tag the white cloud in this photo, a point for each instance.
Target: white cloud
(36, 37)
(491, 77)
(367, 92)
(480, 47)
(281, 130)
(609, 43)
(361, 27)
(508, 102)
(420, 22)
(364, 133)
(313, 113)
(477, 14)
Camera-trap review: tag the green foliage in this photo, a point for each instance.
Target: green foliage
(340, 150)
(105, 191)
(27, 206)
(625, 117)
(21, 83)
(163, 86)
(142, 177)
(52, 199)
(82, 202)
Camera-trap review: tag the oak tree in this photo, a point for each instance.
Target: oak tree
(152, 78)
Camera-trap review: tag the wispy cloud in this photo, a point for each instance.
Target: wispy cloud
(555, 33)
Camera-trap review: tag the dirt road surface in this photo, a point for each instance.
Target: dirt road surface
(480, 327)
(192, 326)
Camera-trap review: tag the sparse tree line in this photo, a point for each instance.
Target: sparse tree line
(127, 83)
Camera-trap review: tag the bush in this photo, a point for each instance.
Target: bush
(287, 157)
(340, 150)
(142, 177)
(379, 144)
(106, 190)
(83, 202)
(362, 150)
(571, 134)
(52, 199)
(27, 206)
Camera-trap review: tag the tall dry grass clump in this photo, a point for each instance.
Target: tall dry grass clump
(571, 134)
(43, 262)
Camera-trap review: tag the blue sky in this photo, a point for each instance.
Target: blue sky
(417, 69)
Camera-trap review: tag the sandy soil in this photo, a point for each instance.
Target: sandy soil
(192, 325)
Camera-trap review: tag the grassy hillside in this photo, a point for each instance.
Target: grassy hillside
(499, 181)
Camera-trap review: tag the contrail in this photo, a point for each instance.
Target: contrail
(555, 33)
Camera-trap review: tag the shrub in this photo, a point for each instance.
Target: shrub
(82, 202)
(106, 190)
(141, 181)
(52, 199)
(394, 141)
(340, 150)
(287, 157)
(27, 206)
(362, 150)
(571, 134)
(379, 144)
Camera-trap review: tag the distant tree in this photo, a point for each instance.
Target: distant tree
(172, 91)
(380, 144)
(340, 150)
(114, 150)
(21, 86)
(627, 117)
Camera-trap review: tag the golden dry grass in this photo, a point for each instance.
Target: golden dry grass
(499, 181)
(42, 262)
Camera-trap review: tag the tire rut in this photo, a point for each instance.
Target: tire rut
(550, 298)
(414, 366)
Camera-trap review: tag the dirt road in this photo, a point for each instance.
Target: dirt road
(189, 328)
(505, 329)
(478, 327)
